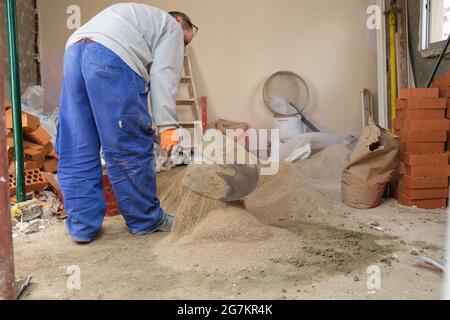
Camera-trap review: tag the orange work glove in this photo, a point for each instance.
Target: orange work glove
(169, 140)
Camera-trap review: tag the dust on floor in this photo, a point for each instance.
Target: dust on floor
(292, 239)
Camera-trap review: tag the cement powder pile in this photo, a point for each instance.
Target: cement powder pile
(218, 237)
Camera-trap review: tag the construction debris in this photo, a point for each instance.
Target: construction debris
(39, 154)
(43, 209)
(22, 285)
(53, 184)
(31, 227)
(427, 263)
(27, 211)
(39, 151)
(35, 215)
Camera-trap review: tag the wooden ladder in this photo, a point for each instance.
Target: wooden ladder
(188, 108)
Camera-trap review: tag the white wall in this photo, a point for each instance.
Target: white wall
(242, 42)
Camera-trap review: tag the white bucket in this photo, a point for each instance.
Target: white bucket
(289, 126)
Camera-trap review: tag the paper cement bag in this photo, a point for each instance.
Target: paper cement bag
(370, 168)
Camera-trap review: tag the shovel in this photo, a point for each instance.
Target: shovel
(227, 183)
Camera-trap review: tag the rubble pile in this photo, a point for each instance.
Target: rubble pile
(44, 205)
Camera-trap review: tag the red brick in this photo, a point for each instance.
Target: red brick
(407, 114)
(49, 149)
(419, 93)
(12, 184)
(420, 183)
(28, 165)
(444, 92)
(423, 136)
(34, 181)
(53, 154)
(7, 105)
(422, 125)
(422, 204)
(53, 183)
(51, 166)
(443, 81)
(38, 136)
(426, 171)
(423, 194)
(424, 160)
(422, 104)
(32, 165)
(34, 155)
(10, 153)
(10, 142)
(29, 122)
(31, 145)
(423, 147)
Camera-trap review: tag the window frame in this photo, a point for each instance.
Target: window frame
(426, 48)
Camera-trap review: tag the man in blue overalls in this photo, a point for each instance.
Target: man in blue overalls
(110, 65)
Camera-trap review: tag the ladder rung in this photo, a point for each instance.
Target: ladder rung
(186, 79)
(186, 102)
(191, 123)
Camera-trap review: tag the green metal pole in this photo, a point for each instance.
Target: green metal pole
(15, 99)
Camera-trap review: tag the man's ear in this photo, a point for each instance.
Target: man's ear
(179, 19)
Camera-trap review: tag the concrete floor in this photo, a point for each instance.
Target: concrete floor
(121, 266)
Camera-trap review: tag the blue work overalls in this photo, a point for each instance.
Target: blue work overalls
(104, 105)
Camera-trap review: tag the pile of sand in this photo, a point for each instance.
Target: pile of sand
(300, 189)
(189, 207)
(227, 240)
(205, 179)
(214, 236)
(230, 224)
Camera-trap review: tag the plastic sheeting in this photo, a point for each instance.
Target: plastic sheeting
(303, 146)
(33, 103)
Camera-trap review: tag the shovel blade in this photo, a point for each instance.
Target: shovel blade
(242, 184)
(227, 183)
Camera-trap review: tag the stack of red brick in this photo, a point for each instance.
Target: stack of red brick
(39, 153)
(423, 128)
(443, 84)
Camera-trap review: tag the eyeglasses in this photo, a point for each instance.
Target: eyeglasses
(194, 30)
